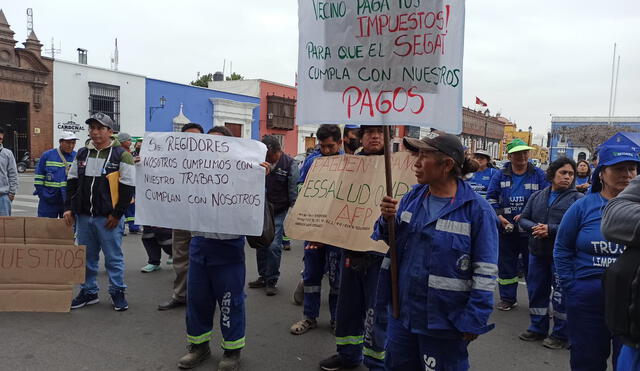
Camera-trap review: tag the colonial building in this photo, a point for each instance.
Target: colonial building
(481, 131)
(26, 93)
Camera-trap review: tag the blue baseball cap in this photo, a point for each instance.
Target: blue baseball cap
(609, 155)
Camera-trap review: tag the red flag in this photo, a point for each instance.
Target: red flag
(478, 101)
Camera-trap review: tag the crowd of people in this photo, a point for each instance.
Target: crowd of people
(463, 229)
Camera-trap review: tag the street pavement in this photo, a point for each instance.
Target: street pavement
(143, 338)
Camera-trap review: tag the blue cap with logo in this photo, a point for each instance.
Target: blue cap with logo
(609, 155)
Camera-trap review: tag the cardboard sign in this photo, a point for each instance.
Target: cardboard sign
(339, 202)
(381, 62)
(39, 264)
(201, 182)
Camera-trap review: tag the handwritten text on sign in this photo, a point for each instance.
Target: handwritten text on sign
(199, 182)
(378, 61)
(339, 201)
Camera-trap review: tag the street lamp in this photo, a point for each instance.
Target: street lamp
(163, 101)
(530, 137)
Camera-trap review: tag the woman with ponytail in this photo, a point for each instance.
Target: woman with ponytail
(447, 254)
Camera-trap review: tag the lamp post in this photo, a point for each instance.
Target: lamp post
(530, 137)
(163, 101)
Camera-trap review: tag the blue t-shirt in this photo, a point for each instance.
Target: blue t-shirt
(581, 181)
(553, 196)
(480, 181)
(581, 251)
(433, 204)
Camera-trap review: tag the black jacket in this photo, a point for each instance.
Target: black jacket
(537, 211)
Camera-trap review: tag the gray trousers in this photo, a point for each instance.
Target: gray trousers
(180, 249)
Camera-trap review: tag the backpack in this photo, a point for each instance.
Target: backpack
(621, 285)
(268, 229)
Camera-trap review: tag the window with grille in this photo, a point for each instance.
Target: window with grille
(281, 112)
(105, 98)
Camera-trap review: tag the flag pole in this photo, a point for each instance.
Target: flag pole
(391, 223)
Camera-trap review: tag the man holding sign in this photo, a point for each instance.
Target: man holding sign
(100, 187)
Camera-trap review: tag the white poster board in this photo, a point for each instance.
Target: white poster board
(201, 182)
(396, 62)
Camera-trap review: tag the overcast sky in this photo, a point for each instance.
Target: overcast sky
(526, 59)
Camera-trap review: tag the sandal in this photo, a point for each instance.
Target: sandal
(303, 326)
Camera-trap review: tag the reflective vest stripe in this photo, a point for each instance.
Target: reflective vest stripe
(484, 283)
(507, 281)
(451, 284)
(230, 345)
(311, 289)
(129, 219)
(559, 315)
(372, 353)
(452, 226)
(38, 182)
(55, 184)
(386, 263)
(54, 163)
(199, 339)
(38, 176)
(539, 311)
(487, 269)
(350, 340)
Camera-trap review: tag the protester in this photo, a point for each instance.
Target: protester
(320, 258)
(216, 275)
(130, 212)
(180, 240)
(446, 238)
(97, 168)
(480, 180)
(540, 219)
(357, 294)
(51, 177)
(508, 192)
(583, 177)
(8, 178)
(582, 254)
(281, 184)
(155, 241)
(350, 139)
(620, 222)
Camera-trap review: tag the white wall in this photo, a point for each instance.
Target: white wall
(71, 98)
(244, 87)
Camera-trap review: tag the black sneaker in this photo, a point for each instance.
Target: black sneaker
(84, 298)
(120, 304)
(554, 343)
(532, 336)
(271, 290)
(335, 362)
(258, 284)
(504, 306)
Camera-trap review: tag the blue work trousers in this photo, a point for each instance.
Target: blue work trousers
(512, 245)
(360, 324)
(269, 258)
(130, 218)
(91, 232)
(591, 340)
(50, 210)
(408, 351)
(210, 285)
(316, 262)
(542, 279)
(5, 205)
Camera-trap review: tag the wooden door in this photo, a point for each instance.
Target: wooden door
(236, 129)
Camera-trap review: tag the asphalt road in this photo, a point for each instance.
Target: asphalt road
(142, 338)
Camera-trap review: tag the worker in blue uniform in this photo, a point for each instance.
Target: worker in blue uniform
(582, 254)
(481, 179)
(216, 274)
(51, 177)
(508, 193)
(446, 238)
(360, 330)
(318, 257)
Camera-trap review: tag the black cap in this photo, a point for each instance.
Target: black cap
(102, 119)
(448, 144)
(272, 143)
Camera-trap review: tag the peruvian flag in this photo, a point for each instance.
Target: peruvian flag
(480, 102)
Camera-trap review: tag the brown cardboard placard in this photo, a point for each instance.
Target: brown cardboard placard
(48, 231)
(35, 298)
(12, 229)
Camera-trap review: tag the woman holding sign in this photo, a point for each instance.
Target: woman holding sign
(447, 242)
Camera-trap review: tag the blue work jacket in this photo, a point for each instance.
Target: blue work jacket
(447, 265)
(506, 200)
(51, 176)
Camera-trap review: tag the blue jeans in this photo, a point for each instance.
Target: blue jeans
(5, 205)
(91, 231)
(269, 259)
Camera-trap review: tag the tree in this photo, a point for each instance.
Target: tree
(591, 136)
(235, 76)
(203, 80)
